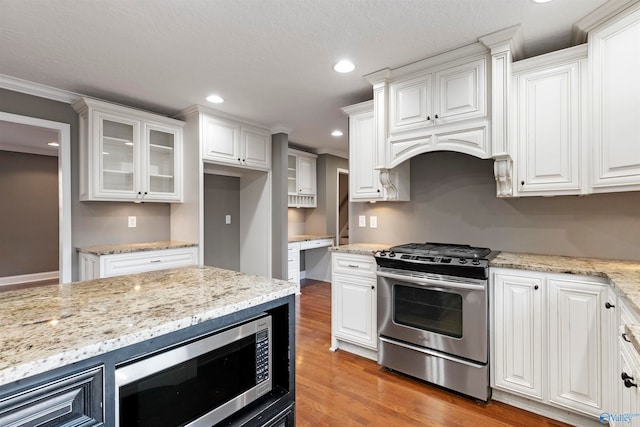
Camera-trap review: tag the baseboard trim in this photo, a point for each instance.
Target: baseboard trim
(543, 409)
(25, 278)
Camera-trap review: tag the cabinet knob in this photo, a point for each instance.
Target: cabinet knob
(244, 160)
(522, 183)
(378, 190)
(373, 288)
(608, 305)
(536, 287)
(428, 117)
(436, 116)
(238, 158)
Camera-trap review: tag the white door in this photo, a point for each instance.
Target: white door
(615, 67)
(576, 325)
(355, 311)
(549, 130)
(518, 334)
(256, 148)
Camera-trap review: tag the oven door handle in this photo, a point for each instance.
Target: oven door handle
(432, 283)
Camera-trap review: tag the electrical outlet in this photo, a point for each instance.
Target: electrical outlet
(373, 221)
(132, 221)
(227, 219)
(362, 221)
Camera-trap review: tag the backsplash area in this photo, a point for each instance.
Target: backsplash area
(453, 200)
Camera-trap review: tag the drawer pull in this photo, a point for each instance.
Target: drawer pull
(353, 266)
(625, 337)
(153, 261)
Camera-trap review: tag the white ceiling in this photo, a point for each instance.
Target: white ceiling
(27, 139)
(270, 59)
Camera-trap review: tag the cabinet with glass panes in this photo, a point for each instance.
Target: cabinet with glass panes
(128, 155)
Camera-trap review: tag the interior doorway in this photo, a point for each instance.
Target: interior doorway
(342, 215)
(62, 133)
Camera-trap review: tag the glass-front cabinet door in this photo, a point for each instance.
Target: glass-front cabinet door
(162, 162)
(119, 141)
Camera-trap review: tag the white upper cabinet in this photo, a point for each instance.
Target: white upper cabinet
(439, 103)
(301, 175)
(232, 143)
(614, 56)
(364, 179)
(549, 108)
(128, 155)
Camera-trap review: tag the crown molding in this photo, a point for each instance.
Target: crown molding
(37, 89)
(280, 129)
(333, 152)
(581, 29)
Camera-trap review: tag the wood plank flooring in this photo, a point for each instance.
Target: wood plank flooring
(341, 389)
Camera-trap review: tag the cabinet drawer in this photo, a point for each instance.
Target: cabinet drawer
(71, 401)
(363, 265)
(312, 244)
(139, 262)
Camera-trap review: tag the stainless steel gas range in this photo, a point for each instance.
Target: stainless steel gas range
(433, 314)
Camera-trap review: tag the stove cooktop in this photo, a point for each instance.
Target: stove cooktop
(437, 258)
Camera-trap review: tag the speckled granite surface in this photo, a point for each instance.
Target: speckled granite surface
(51, 326)
(305, 237)
(134, 247)
(624, 276)
(361, 248)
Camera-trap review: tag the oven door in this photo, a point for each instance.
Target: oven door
(436, 313)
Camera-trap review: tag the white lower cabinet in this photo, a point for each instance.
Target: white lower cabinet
(354, 325)
(93, 266)
(625, 380)
(549, 335)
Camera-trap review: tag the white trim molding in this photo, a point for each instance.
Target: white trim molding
(26, 278)
(37, 89)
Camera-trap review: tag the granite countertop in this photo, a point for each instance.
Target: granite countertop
(361, 248)
(124, 248)
(47, 327)
(305, 237)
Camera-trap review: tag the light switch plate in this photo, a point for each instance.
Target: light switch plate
(131, 221)
(373, 221)
(362, 221)
(227, 219)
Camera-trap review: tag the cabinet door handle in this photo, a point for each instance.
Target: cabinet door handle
(625, 337)
(626, 376)
(536, 287)
(608, 305)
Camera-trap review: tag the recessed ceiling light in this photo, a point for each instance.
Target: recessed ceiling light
(336, 132)
(540, 1)
(344, 66)
(53, 144)
(215, 99)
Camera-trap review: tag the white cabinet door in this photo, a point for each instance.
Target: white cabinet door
(518, 334)
(364, 180)
(355, 310)
(221, 140)
(293, 263)
(549, 108)
(306, 176)
(577, 326)
(162, 172)
(410, 104)
(116, 151)
(256, 148)
(627, 388)
(615, 67)
(461, 92)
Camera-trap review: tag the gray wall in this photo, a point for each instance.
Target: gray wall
(222, 241)
(453, 200)
(279, 152)
(92, 223)
(29, 216)
(322, 219)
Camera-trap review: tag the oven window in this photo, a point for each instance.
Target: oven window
(199, 384)
(428, 310)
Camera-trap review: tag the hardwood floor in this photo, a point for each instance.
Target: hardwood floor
(341, 389)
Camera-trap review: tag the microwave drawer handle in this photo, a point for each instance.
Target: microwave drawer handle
(428, 283)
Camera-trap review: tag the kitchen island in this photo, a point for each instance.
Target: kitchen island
(54, 332)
